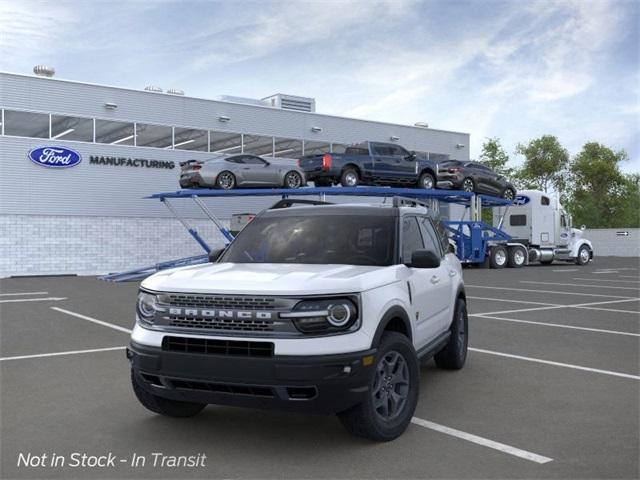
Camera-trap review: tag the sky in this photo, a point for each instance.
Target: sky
(515, 70)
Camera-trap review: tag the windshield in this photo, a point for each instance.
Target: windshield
(321, 239)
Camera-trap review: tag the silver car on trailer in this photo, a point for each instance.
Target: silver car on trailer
(241, 170)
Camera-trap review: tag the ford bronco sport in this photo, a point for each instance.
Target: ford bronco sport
(312, 308)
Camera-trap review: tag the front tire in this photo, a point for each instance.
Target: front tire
(454, 355)
(226, 180)
(393, 392)
(349, 178)
(292, 180)
(427, 181)
(164, 406)
(584, 255)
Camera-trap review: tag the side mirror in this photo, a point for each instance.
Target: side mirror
(583, 228)
(424, 259)
(214, 255)
(411, 157)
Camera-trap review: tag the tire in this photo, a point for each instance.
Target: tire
(517, 257)
(584, 255)
(509, 194)
(164, 406)
(498, 256)
(226, 180)
(368, 419)
(292, 180)
(427, 181)
(349, 178)
(468, 185)
(454, 354)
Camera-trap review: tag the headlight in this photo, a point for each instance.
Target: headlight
(146, 307)
(330, 315)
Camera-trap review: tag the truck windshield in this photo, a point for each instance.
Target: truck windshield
(317, 239)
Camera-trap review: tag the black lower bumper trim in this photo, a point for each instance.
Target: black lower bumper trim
(310, 384)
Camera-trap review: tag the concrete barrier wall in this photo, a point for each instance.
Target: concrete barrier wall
(614, 242)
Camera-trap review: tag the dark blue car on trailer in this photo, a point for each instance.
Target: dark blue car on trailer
(371, 163)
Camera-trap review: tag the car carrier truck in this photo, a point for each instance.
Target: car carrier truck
(540, 226)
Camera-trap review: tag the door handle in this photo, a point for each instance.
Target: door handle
(435, 279)
(452, 273)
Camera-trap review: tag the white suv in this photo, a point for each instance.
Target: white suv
(312, 308)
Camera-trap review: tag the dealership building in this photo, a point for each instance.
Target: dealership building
(92, 217)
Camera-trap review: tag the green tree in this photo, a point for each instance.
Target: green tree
(545, 163)
(495, 157)
(600, 195)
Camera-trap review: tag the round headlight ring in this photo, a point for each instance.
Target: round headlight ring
(146, 305)
(340, 314)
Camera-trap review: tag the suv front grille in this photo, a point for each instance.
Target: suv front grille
(222, 302)
(208, 346)
(225, 324)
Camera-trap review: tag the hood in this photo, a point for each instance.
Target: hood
(272, 278)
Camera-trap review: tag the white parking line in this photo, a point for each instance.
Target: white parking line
(556, 364)
(533, 290)
(628, 276)
(567, 270)
(605, 280)
(20, 300)
(93, 320)
(551, 306)
(23, 293)
(513, 301)
(57, 354)
(558, 325)
(581, 285)
(555, 307)
(485, 442)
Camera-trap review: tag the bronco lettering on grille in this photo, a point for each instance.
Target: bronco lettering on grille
(209, 313)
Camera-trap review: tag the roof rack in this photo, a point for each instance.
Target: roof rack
(290, 202)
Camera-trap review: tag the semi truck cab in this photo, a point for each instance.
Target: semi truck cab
(540, 222)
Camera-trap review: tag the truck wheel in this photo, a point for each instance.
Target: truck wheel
(498, 257)
(392, 395)
(468, 185)
(454, 354)
(584, 255)
(226, 180)
(427, 181)
(517, 257)
(349, 178)
(164, 406)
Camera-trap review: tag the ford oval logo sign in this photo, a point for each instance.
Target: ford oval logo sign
(521, 200)
(55, 157)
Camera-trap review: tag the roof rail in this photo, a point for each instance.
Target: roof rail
(290, 202)
(409, 202)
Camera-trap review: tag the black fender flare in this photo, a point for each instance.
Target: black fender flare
(394, 312)
(429, 170)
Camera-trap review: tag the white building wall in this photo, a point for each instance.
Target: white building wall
(613, 242)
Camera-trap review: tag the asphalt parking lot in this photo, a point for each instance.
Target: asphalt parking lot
(550, 390)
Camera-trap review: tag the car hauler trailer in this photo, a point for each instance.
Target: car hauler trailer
(476, 243)
(542, 225)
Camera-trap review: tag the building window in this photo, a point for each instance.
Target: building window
(190, 139)
(26, 124)
(315, 148)
(258, 145)
(114, 133)
(71, 128)
(157, 136)
(287, 148)
(225, 142)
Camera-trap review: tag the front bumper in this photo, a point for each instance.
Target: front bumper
(449, 181)
(309, 384)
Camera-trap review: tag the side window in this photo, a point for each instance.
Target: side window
(234, 160)
(545, 201)
(431, 241)
(443, 234)
(411, 238)
(250, 159)
(381, 149)
(563, 221)
(517, 220)
(397, 151)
